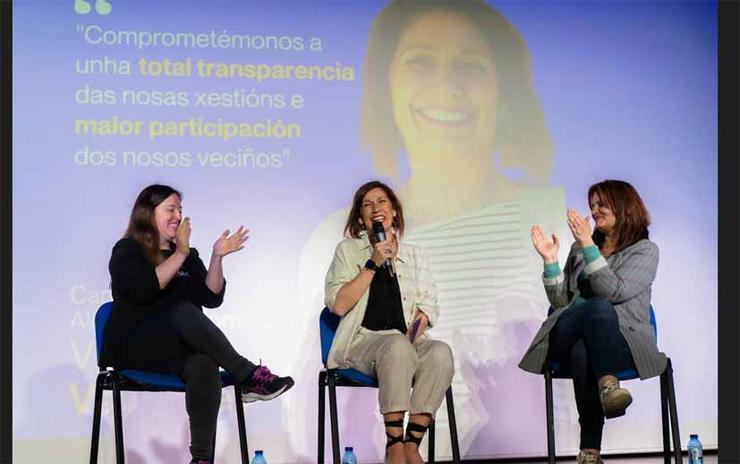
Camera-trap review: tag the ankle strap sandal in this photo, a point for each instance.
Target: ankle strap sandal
(392, 440)
(414, 427)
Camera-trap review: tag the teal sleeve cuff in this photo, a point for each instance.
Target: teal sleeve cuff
(591, 253)
(552, 270)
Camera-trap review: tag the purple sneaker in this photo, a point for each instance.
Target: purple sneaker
(264, 385)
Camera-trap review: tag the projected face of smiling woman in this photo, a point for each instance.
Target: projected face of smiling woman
(443, 87)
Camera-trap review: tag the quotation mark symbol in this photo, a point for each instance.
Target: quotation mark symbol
(102, 7)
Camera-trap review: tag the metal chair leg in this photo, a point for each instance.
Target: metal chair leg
(97, 411)
(664, 418)
(550, 418)
(453, 426)
(668, 409)
(326, 378)
(115, 385)
(673, 413)
(430, 438)
(334, 418)
(322, 417)
(243, 445)
(118, 420)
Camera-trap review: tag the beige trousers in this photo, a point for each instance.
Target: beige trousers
(396, 363)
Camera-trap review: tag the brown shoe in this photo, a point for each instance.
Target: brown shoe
(587, 457)
(614, 399)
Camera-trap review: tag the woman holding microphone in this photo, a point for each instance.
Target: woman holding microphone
(385, 294)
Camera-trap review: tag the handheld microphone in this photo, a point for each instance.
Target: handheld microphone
(379, 232)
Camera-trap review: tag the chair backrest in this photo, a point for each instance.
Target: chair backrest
(328, 323)
(653, 323)
(101, 318)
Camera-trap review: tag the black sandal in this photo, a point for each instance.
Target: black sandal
(392, 440)
(414, 427)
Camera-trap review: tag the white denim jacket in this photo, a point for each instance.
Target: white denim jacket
(418, 291)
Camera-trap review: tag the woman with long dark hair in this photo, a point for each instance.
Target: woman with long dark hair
(157, 324)
(599, 320)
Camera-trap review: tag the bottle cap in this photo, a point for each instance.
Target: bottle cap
(258, 452)
(347, 448)
(694, 435)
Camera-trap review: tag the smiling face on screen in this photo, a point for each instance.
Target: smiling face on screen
(443, 85)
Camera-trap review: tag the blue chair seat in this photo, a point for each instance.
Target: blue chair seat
(669, 414)
(135, 380)
(344, 377)
(328, 323)
(560, 371)
(356, 376)
(143, 381)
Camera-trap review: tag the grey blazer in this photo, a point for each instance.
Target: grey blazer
(625, 279)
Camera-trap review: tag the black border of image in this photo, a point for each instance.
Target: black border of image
(6, 230)
(728, 362)
(728, 234)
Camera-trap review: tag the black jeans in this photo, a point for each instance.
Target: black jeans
(587, 341)
(181, 340)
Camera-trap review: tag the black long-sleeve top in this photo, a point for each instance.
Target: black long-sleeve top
(136, 292)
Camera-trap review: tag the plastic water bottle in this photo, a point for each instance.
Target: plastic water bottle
(349, 456)
(258, 458)
(696, 453)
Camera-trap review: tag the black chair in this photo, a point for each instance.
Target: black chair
(328, 323)
(141, 381)
(667, 403)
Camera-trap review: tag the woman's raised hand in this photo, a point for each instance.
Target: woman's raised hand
(226, 244)
(545, 247)
(580, 228)
(182, 237)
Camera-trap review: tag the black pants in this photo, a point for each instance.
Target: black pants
(587, 341)
(182, 341)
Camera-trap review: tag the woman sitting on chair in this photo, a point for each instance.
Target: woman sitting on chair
(599, 321)
(383, 290)
(157, 323)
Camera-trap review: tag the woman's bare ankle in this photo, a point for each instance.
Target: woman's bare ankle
(396, 454)
(412, 453)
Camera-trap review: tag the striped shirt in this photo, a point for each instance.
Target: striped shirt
(490, 292)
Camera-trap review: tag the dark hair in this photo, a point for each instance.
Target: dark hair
(353, 228)
(522, 139)
(632, 218)
(141, 227)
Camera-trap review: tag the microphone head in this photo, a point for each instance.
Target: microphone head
(378, 230)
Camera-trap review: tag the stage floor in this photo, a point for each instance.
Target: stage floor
(708, 459)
